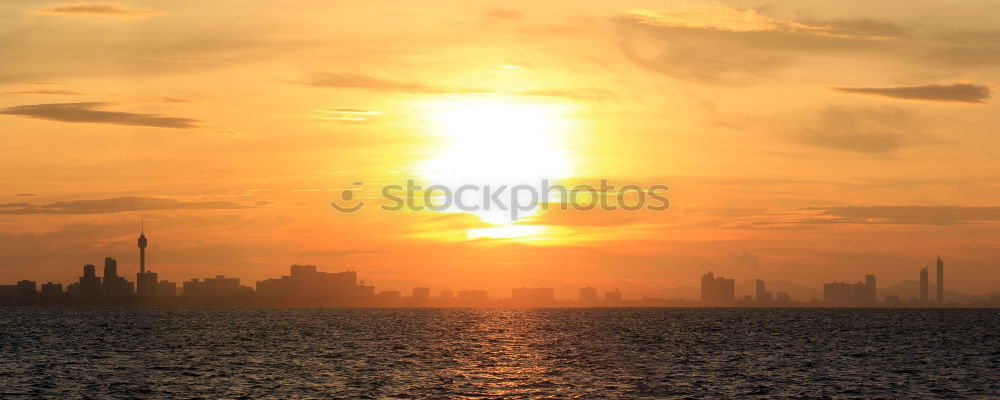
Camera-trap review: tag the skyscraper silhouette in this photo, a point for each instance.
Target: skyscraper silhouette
(940, 280)
(923, 285)
(90, 283)
(110, 268)
(871, 294)
(717, 291)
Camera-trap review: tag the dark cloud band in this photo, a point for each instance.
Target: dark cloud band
(92, 113)
(960, 92)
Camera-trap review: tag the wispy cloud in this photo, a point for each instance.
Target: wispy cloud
(504, 13)
(57, 92)
(958, 92)
(920, 215)
(722, 18)
(718, 44)
(351, 80)
(119, 204)
(92, 113)
(84, 8)
(872, 130)
(344, 114)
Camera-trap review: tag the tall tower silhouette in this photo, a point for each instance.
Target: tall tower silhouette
(146, 281)
(142, 247)
(923, 285)
(940, 281)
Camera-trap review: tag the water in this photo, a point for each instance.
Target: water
(492, 353)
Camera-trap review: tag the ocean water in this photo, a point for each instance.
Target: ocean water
(67, 353)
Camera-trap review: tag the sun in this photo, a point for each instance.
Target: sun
(498, 141)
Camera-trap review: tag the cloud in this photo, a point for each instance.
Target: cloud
(118, 204)
(721, 18)
(861, 129)
(351, 80)
(344, 114)
(920, 215)
(92, 113)
(961, 92)
(348, 80)
(48, 92)
(25, 195)
(83, 8)
(722, 45)
(504, 13)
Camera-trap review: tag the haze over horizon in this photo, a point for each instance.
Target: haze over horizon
(802, 142)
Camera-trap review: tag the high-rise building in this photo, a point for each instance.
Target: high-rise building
(871, 293)
(114, 286)
(588, 296)
(613, 297)
(861, 294)
(762, 295)
(421, 294)
(110, 268)
(717, 291)
(940, 281)
(924, 284)
(90, 283)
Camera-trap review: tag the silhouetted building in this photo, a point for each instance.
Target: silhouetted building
(388, 298)
(166, 289)
(717, 291)
(613, 297)
(219, 287)
(90, 284)
(533, 296)
(51, 292)
(307, 286)
(114, 286)
(940, 281)
(783, 299)
(762, 296)
(147, 284)
(588, 296)
(924, 284)
(839, 294)
(871, 293)
(26, 292)
(421, 295)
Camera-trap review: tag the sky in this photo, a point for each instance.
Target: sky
(802, 141)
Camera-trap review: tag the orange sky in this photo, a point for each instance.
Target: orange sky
(802, 141)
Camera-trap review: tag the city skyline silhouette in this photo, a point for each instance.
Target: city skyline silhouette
(307, 286)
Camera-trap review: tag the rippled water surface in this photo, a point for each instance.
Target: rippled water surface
(489, 353)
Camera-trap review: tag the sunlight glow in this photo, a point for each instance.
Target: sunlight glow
(497, 141)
